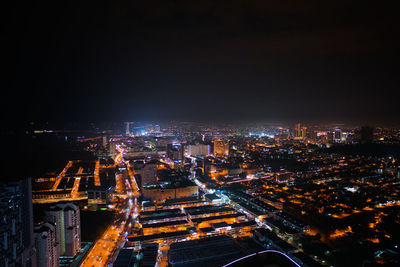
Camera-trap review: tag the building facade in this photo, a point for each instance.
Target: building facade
(66, 218)
(149, 173)
(221, 148)
(46, 245)
(175, 152)
(198, 150)
(16, 224)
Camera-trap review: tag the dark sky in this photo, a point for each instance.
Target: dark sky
(202, 60)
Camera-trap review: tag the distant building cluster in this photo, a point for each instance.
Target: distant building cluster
(200, 194)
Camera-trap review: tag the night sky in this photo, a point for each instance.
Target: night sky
(332, 61)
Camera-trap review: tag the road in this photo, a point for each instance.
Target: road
(105, 246)
(61, 175)
(74, 191)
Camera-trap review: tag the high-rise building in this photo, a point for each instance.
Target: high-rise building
(127, 129)
(113, 148)
(297, 130)
(16, 224)
(105, 141)
(221, 148)
(337, 135)
(175, 152)
(66, 218)
(330, 137)
(198, 150)
(312, 135)
(46, 245)
(303, 132)
(149, 173)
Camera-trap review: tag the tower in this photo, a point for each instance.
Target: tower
(128, 128)
(297, 130)
(221, 148)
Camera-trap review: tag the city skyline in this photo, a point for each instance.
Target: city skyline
(184, 193)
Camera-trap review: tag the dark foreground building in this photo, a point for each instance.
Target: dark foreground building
(16, 224)
(221, 251)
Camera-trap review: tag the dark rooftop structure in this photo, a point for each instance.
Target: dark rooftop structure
(212, 197)
(208, 209)
(125, 258)
(159, 212)
(306, 260)
(213, 251)
(148, 255)
(156, 225)
(177, 201)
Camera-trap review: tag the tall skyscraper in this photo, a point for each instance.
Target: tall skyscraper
(128, 128)
(46, 245)
(303, 132)
(297, 130)
(221, 148)
(66, 218)
(16, 224)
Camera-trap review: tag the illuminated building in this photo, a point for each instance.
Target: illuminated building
(312, 135)
(330, 137)
(66, 218)
(46, 246)
(128, 128)
(16, 227)
(171, 191)
(303, 132)
(297, 130)
(175, 152)
(99, 195)
(104, 141)
(221, 148)
(208, 165)
(283, 177)
(300, 132)
(149, 173)
(337, 135)
(198, 150)
(113, 149)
